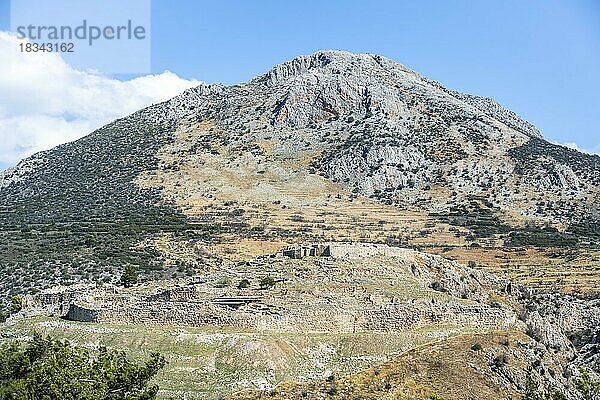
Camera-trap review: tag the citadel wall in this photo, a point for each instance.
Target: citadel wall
(319, 318)
(277, 310)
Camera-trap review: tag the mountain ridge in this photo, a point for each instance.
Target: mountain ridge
(338, 217)
(329, 146)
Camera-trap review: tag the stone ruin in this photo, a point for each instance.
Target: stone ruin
(346, 308)
(339, 250)
(310, 250)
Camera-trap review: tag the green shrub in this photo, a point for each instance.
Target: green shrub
(45, 368)
(16, 304)
(244, 283)
(267, 282)
(129, 276)
(223, 282)
(588, 388)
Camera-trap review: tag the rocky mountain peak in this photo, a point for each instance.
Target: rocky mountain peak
(331, 84)
(323, 61)
(313, 149)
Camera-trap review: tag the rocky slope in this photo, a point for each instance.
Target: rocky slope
(481, 366)
(450, 330)
(330, 146)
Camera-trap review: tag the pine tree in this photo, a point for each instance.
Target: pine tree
(129, 276)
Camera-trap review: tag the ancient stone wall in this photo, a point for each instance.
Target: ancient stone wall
(183, 293)
(394, 317)
(323, 318)
(342, 250)
(332, 302)
(55, 301)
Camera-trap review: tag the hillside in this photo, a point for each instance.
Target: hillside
(347, 321)
(455, 368)
(327, 147)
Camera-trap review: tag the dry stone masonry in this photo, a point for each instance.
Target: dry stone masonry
(320, 287)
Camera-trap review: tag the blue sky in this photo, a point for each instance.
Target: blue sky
(539, 58)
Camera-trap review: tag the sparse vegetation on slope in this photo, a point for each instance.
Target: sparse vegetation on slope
(327, 147)
(450, 370)
(303, 152)
(78, 215)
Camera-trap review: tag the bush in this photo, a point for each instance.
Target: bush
(332, 390)
(46, 368)
(223, 282)
(586, 386)
(129, 276)
(499, 361)
(535, 391)
(244, 283)
(541, 237)
(532, 390)
(267, 282)
(16, 304)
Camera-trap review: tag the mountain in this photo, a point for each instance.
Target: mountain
(331, 146)
(338, 227)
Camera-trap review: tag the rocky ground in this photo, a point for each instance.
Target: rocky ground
(317, 319)
(330, 146)
(198, 192)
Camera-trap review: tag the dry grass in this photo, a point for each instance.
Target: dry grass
(262, 202)
(568, 270)
(209, 363)
(450, 369)
(267, 202)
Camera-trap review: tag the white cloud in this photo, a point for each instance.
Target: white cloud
(575, 146)
(44, 102)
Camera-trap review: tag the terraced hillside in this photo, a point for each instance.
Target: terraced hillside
(330, 146)
(349, 321)
(354, 321)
